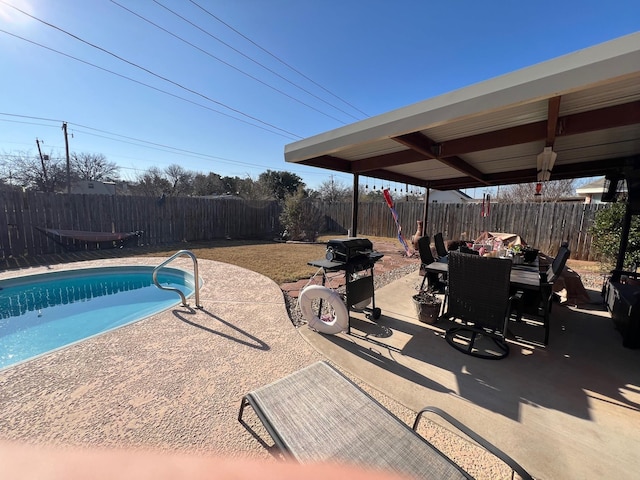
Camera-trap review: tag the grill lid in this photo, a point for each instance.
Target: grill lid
(345, 250)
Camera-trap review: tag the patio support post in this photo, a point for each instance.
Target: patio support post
(354, 206)
(425, 218)
(624, 237)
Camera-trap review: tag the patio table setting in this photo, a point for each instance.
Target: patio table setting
(526, 276)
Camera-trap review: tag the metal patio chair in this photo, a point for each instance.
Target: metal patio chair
(539, 303)
(441, 250)
(426, 257)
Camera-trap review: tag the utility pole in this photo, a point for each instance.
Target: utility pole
(44, 167)
(66, 145)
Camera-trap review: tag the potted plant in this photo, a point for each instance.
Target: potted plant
(427, 306)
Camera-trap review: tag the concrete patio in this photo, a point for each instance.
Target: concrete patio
(568, 410)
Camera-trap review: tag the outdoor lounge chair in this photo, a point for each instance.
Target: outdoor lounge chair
(478, 296)
(318, 415)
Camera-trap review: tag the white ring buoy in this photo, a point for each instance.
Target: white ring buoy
(340, 320)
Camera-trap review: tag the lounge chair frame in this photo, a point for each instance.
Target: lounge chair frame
(318, 415)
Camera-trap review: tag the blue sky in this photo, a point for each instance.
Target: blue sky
(213, 88)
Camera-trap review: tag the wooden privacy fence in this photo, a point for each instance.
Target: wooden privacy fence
(185, 219)
(544, 225)
(159, 221)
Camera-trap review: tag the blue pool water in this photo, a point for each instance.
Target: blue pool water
(41, 313)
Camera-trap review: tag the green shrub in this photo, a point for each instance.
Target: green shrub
(300, 218)
(607, 230)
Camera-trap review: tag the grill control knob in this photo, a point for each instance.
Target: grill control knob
(330, 255)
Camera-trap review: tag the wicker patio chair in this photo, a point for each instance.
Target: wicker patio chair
(318, 415)
(479, 297)
(441, 250)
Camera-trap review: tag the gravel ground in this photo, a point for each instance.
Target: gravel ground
(592, 281)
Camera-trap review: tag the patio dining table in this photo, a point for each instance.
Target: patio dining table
(524, 276)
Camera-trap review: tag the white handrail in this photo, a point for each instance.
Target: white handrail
(196, 277)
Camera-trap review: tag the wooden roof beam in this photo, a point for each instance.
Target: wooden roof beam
(529, 175)
(387, 160)
(600, 119)
(609, 117)
(427, 147)
(329, 162)
(552, 120)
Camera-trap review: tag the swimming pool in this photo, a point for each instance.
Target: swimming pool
(42, 313)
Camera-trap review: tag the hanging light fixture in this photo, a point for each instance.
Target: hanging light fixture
(546, 159)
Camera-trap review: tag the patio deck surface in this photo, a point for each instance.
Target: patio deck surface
(173, 382)
(567, 410)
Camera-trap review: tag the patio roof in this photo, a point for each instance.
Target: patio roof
(586, 105)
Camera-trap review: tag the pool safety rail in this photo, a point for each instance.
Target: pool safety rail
(196, 276)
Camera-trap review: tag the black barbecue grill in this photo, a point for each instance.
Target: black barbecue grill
(345, 251)
(356, 257)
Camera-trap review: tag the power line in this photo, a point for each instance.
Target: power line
(222, 61)
(133, 64)
(252, 60)
(130, 140)
(136, 141)
(277, 58)
(289, 136)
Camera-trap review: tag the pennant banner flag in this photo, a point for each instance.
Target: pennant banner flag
(389, 200)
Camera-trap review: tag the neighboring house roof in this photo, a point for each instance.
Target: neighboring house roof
(590, 188)
(594, 190)
(93, 187)
(448, 196)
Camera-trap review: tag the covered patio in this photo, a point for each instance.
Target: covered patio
(574, 116)
(569, 409)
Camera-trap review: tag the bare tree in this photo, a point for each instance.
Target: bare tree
(210, 184)
(250, 189)
(32, 172)
(151, 183)
(334, 191)
(526, 192)
(92, 166)
(181, 180)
